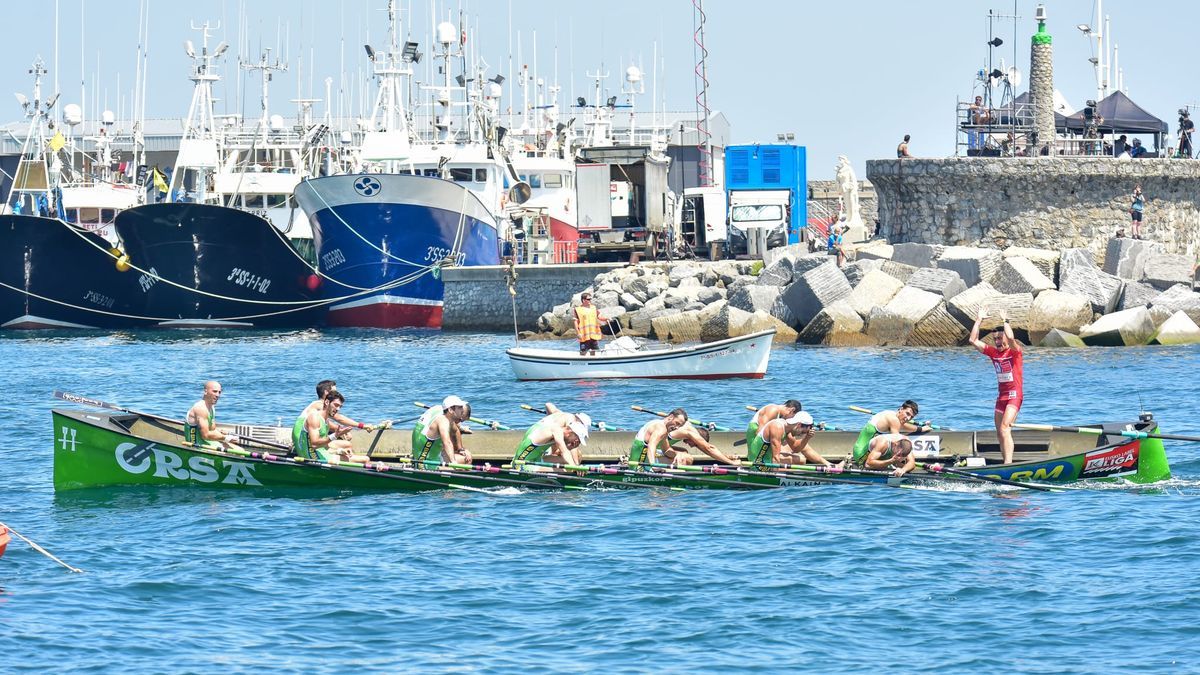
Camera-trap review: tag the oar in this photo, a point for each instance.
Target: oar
(33, 544)
(1099, 432)
(599, 424)
(712, 426)
(585, 469)
(487, 423)
(383, 426)
(937, 468)
(927, 422)
(823, 426)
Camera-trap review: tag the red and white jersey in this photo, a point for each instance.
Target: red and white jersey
(1010, 372)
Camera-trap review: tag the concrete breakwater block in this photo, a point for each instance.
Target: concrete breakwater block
(676, 327)
(1078, 274)
(1044, 259)
(1179, 298)
(1056, 310)
(874, 250)
(875, 290)
(899, 270)
(917, 255)
(1120, 329)
(1164, 270)
(1126, 258)
(814, 290)
(759, 321)
(1015, 306)
(944, 282)
(966, 305)
(807, 263)
(1020, 275)
(723, 322)
(894, 322)
(1137, 294)
(1061, 338)
(939, 328)
(778, 273)
(755, 298)
(1179, 329)
(974, 265)
(858, 269)
(837, 325)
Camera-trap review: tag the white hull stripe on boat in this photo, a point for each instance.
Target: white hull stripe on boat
(203, 323)
(29, 319)
(385, 300)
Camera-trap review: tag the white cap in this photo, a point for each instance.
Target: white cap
(585, 418)
(800, 418)
(580, 431)
(451, 401)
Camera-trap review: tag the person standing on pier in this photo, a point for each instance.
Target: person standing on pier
(1008, 360)
(587, 324)
(1136, 209)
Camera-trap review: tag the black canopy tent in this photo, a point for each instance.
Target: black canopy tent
(1119, 115)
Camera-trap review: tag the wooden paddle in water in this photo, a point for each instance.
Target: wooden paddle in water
(712, 426)
(1099, 432)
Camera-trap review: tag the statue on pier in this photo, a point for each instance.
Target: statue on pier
(850, 217)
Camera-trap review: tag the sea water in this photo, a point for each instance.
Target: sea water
(830, 579)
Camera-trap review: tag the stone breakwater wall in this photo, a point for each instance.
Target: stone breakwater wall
(908, 294)
(1045, 202)
(477, 298)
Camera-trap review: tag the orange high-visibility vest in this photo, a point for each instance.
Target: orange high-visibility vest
(587, 323)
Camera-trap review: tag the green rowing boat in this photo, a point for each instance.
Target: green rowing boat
(127, 448)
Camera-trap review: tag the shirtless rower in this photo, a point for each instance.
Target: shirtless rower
(323, 388)
(891, 451)
(795, 432)
(437, 438)
(769, 412)
(698, 438)
(199, 425)
(1008, 360)
(653, 441)
(898, 421)
(313, 440)
(555, 438)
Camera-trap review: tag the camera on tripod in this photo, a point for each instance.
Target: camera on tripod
(1183, 116)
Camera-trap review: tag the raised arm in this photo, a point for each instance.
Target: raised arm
(974, 338)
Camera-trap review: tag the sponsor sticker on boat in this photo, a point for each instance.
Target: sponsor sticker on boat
(926, 447)
(1119, 461)
(138, 459)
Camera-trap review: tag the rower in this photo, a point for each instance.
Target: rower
(891, 451)
(1008, 360)
(698, 438)
(766, 449)
(653, 441)
(555, 438)
(896, 421)
(199, 425)
(770, 412)
(311, 438)
(437, 438)
(323, 388)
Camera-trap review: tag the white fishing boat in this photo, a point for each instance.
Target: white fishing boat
(744, 356)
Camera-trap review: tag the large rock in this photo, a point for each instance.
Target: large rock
(1126, 258)
(793, 251)
(677, 327)
(1179, 299)
(778, 273)
(917, 255)
(755, 298)
(939, 328)
(1043, 259)
(1120, 329)
(1056, 310)
(709, 294)
(875, 290)
(1178, 330)
(726, 271)
(680, 296)
(893, 323)
(1015, 306)
(1164, 270)
(630, 302)
(966, 305)
(683, 270)
(874, 250)
(1137, 294)
(899, 270)
(974, 265)
(759, 321)
(1078, 274)
(945, 283)
(837, 325)
(606, 300)
(722, 323)
(1020, 275)
(1060, 338)
(807, 263)
(858, 269)
(814, 290)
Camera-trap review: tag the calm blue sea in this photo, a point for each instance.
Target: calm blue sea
(828, 579)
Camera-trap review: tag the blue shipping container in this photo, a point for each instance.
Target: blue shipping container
(772, 167)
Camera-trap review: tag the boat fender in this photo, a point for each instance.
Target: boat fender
(123, 264)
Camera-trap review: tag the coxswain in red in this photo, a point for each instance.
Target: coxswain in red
(1008, 360)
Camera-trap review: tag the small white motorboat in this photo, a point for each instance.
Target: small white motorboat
(744, 356)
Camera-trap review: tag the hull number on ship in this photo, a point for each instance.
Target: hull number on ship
(333, 259)
(149, 279)
(436, 253)
(99, 299)
(249, 280)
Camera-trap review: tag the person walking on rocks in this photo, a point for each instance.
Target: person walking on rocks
(587, 324)
(1136, 210)
(1008, 360)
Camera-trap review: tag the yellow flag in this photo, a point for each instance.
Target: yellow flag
(57, 142)
(160, 181)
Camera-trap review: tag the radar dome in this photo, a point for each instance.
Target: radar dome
(446, 33)
(633, 74)
(108, 117)
(72, 113)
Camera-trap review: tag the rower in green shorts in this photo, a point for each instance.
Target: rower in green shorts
(652, 443)
(437, 438)
(698, 438)
(767, 448)
(555, 438)
(770, 412)
(311, 438)
(199, 425)
(890, 451)
(896, 421)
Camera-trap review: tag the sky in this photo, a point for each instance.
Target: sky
(847, 78)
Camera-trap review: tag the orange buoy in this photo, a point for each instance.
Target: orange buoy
(123, 264)
(4, 539)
